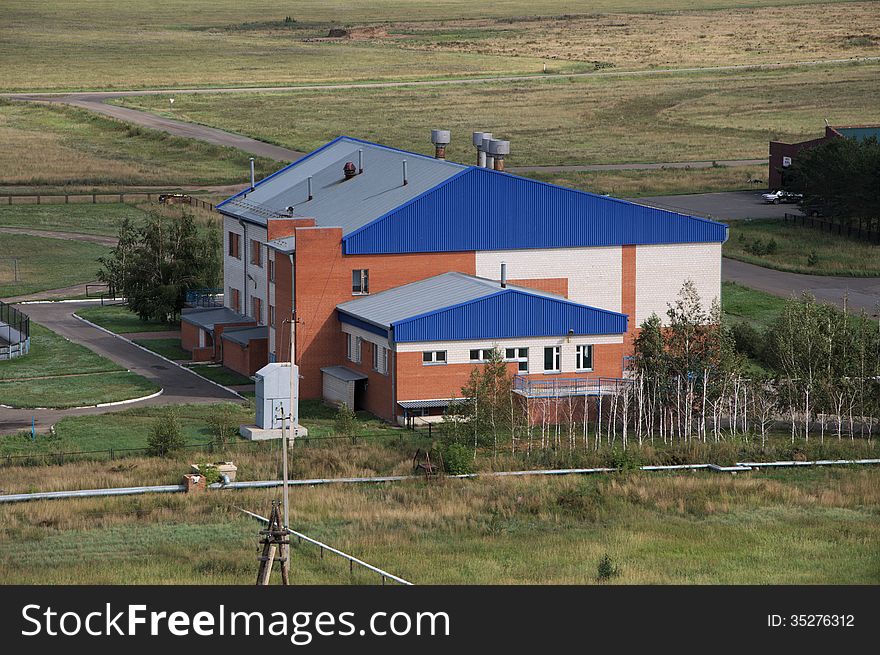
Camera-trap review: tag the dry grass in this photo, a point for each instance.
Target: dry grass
(675, 117)
(649, 40)
(782, 527)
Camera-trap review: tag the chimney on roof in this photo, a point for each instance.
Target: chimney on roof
(360, 160)
(349, 170)
(405, 178)
(498, 149)
(478, 139)
(440, 139)
(253, 176)
(503, 275)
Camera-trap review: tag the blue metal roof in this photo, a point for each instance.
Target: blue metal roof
(481, 209)
(455, 306)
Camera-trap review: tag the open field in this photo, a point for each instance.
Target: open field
(45, 263)
(227, 43)
(664, 181)
(802, 526)
(83, 219)
(794, 245)
(58, 373)
(675, 117)
(60, 145)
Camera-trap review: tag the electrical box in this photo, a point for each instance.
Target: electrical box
(273, 395)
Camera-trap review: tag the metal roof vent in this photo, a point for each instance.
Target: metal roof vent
(440, 139)
(478, 139)
(349, 170)
(497, 149)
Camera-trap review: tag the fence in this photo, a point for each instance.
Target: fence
(848, 230)
(15, 332)
(94, 198)
(60, 458)
(564, 387)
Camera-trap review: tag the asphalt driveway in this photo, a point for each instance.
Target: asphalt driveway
(727, 206)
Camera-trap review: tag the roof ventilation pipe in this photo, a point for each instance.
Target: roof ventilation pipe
(503, 275)
(478, 139)
(440, 139)
(360, 160)
(253, 175)
(497, 149)
(310, 187)
(405, 179)
(349, 170)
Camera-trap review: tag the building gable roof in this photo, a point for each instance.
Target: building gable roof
(454, 306)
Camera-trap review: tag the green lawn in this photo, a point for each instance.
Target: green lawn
(119, 319)
(84, 219)
(169, 348)
(52, 354)
(794, 245)
(220, 374)
(781, 527)
(750, 305)
(60, 392)
(674, 117)
(45, 263)
(656, 182)
(57, 145)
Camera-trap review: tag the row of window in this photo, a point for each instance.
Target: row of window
(380, 354)
(256, 248)
(256, 306)
(552, 357)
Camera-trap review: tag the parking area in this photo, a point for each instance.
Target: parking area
(731, 205)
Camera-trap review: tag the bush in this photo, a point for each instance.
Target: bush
(345, 424)
(458, 459)
(747, 340)
(813, 259)
(224, 427)
(606, 569)
(165, 437)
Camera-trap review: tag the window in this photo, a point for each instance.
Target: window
(481, 354)
(585, 358)
(272, 315)
(257, 309)
(518, 355)
(271, 266)
(380, 359)
(235, 245)
(552, 356)
(360, 281)
(434, 357)
(234, 299)
(354, 348)
(256, 253)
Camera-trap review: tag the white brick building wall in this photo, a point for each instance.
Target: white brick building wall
(594, 274)
(661, 270)
(234, 269)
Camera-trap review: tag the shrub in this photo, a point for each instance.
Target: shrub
(224, 427)
(345, 424)
(606, 569)
(813, 259)
(458, 459)
(165, 437)
(747, 339)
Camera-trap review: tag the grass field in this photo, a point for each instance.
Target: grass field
(119, 319)
(220, 374)
(665, 181)
(794, 246)
(59, 145)
(45, 263)
(58, 373)
(783, 527)
(227, 43)
(750, 305)
(84, 219)
(676, 117)
(169, 348)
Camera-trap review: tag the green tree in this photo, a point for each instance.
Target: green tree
(345, 424)
(165, 437)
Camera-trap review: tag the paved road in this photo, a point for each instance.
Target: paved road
(729, 205)
(179, 386)
(856, 293)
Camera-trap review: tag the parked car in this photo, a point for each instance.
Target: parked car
(779, 197)
(175, 199)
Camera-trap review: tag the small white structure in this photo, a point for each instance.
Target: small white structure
(273, 399)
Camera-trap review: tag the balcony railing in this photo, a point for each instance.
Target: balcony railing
(563, 387)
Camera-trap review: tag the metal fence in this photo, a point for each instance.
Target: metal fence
(848, 230)
(15, 332)
(564, 387)
(93, 198)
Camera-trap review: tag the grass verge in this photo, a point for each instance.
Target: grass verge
(78, 391)
(169, 348)
(119, 319)
(740, 303)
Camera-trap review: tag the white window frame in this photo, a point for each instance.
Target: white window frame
(434, 358)
(579, 354)
(519, 358)
(483, 355)
(557, 359)
(354, 348)
(364, 282)
(380, 359)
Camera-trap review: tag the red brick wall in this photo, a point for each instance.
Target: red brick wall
(557, 285)
(245, 360)
(283, 306)
(323, 280)
(628, 291)
(219, 344)
(278, 228)
(189, 336)
(378, 398)
(415, 381)
(778, 150)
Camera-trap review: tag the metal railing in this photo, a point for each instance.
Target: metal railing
(15, 331)
(834, 227)
(204, 297)
(563, 387)
(93, 198)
